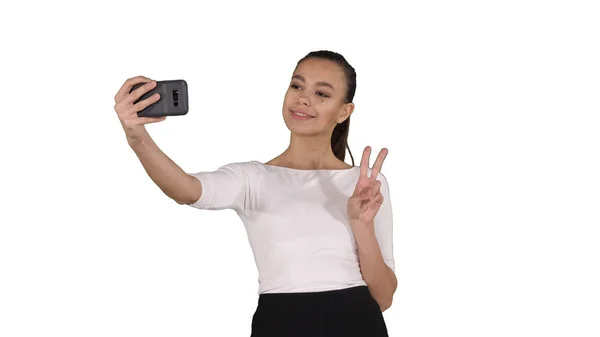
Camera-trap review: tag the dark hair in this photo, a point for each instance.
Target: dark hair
(339, 137)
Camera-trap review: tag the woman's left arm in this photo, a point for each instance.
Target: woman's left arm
(371, 220)
(380, 279)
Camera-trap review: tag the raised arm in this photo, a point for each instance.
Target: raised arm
(167, 175)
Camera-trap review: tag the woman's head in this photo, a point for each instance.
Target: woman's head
(322, 88)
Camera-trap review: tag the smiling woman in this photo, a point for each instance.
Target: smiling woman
(322, 87)
(320, 229)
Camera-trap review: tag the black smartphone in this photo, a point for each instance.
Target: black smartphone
(173, 99)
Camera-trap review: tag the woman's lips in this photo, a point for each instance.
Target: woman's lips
(300, 115)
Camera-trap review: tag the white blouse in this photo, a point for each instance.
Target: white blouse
(296, 222)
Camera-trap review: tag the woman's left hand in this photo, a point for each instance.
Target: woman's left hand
(366, 200)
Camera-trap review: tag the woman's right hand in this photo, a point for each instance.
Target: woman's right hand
(127, 111)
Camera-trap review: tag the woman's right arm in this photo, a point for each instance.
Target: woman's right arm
(167, 175)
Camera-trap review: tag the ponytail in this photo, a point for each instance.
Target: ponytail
(339, 140)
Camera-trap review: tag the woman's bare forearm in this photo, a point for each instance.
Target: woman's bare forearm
(168, 176)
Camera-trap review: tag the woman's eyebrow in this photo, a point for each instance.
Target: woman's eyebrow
(323, 84)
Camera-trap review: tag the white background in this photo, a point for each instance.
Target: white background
(490, 111)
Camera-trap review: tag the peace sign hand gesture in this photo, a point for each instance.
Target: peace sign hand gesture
(366, 200)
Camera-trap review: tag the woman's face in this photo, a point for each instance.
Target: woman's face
(317, 90)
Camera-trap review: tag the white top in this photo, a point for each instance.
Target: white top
(297, 223)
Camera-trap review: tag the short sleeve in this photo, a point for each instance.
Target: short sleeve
(384, 229)
(229, 187)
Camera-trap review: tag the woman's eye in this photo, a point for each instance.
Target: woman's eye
(322, 94)
(294, 86)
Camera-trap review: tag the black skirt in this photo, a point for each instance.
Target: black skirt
(350, 312)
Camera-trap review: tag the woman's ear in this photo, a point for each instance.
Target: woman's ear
(347, 110)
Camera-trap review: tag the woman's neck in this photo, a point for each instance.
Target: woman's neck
(309, 153)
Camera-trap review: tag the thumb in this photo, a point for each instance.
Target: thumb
(365, 194)
(148, 120)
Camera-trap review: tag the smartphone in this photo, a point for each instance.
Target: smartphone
(173, 99)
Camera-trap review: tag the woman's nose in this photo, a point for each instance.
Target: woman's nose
(302, 99)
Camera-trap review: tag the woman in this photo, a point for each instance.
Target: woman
(320, 229)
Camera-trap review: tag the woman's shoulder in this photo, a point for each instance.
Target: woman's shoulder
(247, 168)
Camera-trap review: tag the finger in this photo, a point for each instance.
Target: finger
(141, 105)
(139, 92)
(364, 163)
(372, 190)
(357, 190)
(361, 185)
(126, 87)
(148, 120)
(365, 194)
(378, 163)
(376, 187)
(376, 201)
